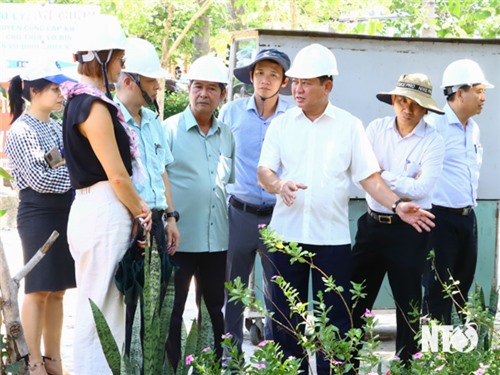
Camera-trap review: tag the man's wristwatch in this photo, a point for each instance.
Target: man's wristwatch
(395, 205)
(173, 214)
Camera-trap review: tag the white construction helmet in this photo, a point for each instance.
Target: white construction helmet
(313, 61)
(99, 32)
(463, 72)
(208, 68)
(142, 58)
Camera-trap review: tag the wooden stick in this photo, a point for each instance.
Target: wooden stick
(9, 288)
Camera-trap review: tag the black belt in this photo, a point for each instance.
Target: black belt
(157, 214)
(259, 211)
(464, 211)
(384, 218)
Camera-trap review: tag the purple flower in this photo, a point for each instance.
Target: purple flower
(417, 355)
(260, 366)
(368, 314)
(189, 359)
(395, 358)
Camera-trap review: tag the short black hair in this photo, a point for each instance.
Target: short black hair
(323, 79)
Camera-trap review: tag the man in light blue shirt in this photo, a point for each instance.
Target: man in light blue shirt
(249, 204)
(203, 150)
(137, 87)
(454, 239)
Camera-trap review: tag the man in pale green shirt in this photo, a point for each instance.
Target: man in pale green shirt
(203, 149)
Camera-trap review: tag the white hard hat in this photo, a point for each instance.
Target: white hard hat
(463, 72)
(98, 33)
(46, 69)
(208, 68)
(142, 58)
(313, 61)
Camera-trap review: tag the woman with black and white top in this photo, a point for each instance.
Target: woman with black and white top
(35, 149)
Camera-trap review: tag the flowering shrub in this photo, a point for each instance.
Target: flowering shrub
(322, 337)
(266, 360)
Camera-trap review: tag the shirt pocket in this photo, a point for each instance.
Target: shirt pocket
(224, 168)
(412, 168)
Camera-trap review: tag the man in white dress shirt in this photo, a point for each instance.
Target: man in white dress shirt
(455, 239)
(410, 154)
(318, 148)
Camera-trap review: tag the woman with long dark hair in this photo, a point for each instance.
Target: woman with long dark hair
(35, 150)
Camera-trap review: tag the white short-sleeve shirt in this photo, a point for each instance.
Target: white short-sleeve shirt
(322, 154)
(412, 164)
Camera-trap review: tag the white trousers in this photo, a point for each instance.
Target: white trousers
(99, 229)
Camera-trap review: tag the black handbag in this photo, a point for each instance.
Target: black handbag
(129, 277)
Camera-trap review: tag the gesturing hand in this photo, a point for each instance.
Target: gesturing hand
(418, 218)
(287, 191)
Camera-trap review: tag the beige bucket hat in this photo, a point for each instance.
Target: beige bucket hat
(416, 86)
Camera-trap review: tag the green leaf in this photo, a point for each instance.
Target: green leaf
(107, 340)
(4, 174)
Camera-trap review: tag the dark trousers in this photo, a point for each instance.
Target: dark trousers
(209, 271)
(244, 243)
(398, 250)
(334, 261)
(454, 240)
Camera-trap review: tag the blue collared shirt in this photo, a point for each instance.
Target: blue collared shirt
(155, 155)
(463, 157)
(249, 130)
(203, 166)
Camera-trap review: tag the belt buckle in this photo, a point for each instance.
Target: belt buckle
(385, 219)
(466, 211)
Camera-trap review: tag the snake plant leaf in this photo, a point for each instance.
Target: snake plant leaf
(108, 343)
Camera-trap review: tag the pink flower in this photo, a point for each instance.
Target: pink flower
(263, 343)
(395, 358)
(260, 366)
(226, 336)
(189, 359)
(206, 349)
(368, 314)
(260, 226)
(417, 355)
(439, 368)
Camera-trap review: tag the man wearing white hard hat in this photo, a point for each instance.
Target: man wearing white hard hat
(455, 238)
(203, 150)
(319, 147)
(410, 154)
(137, 88)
